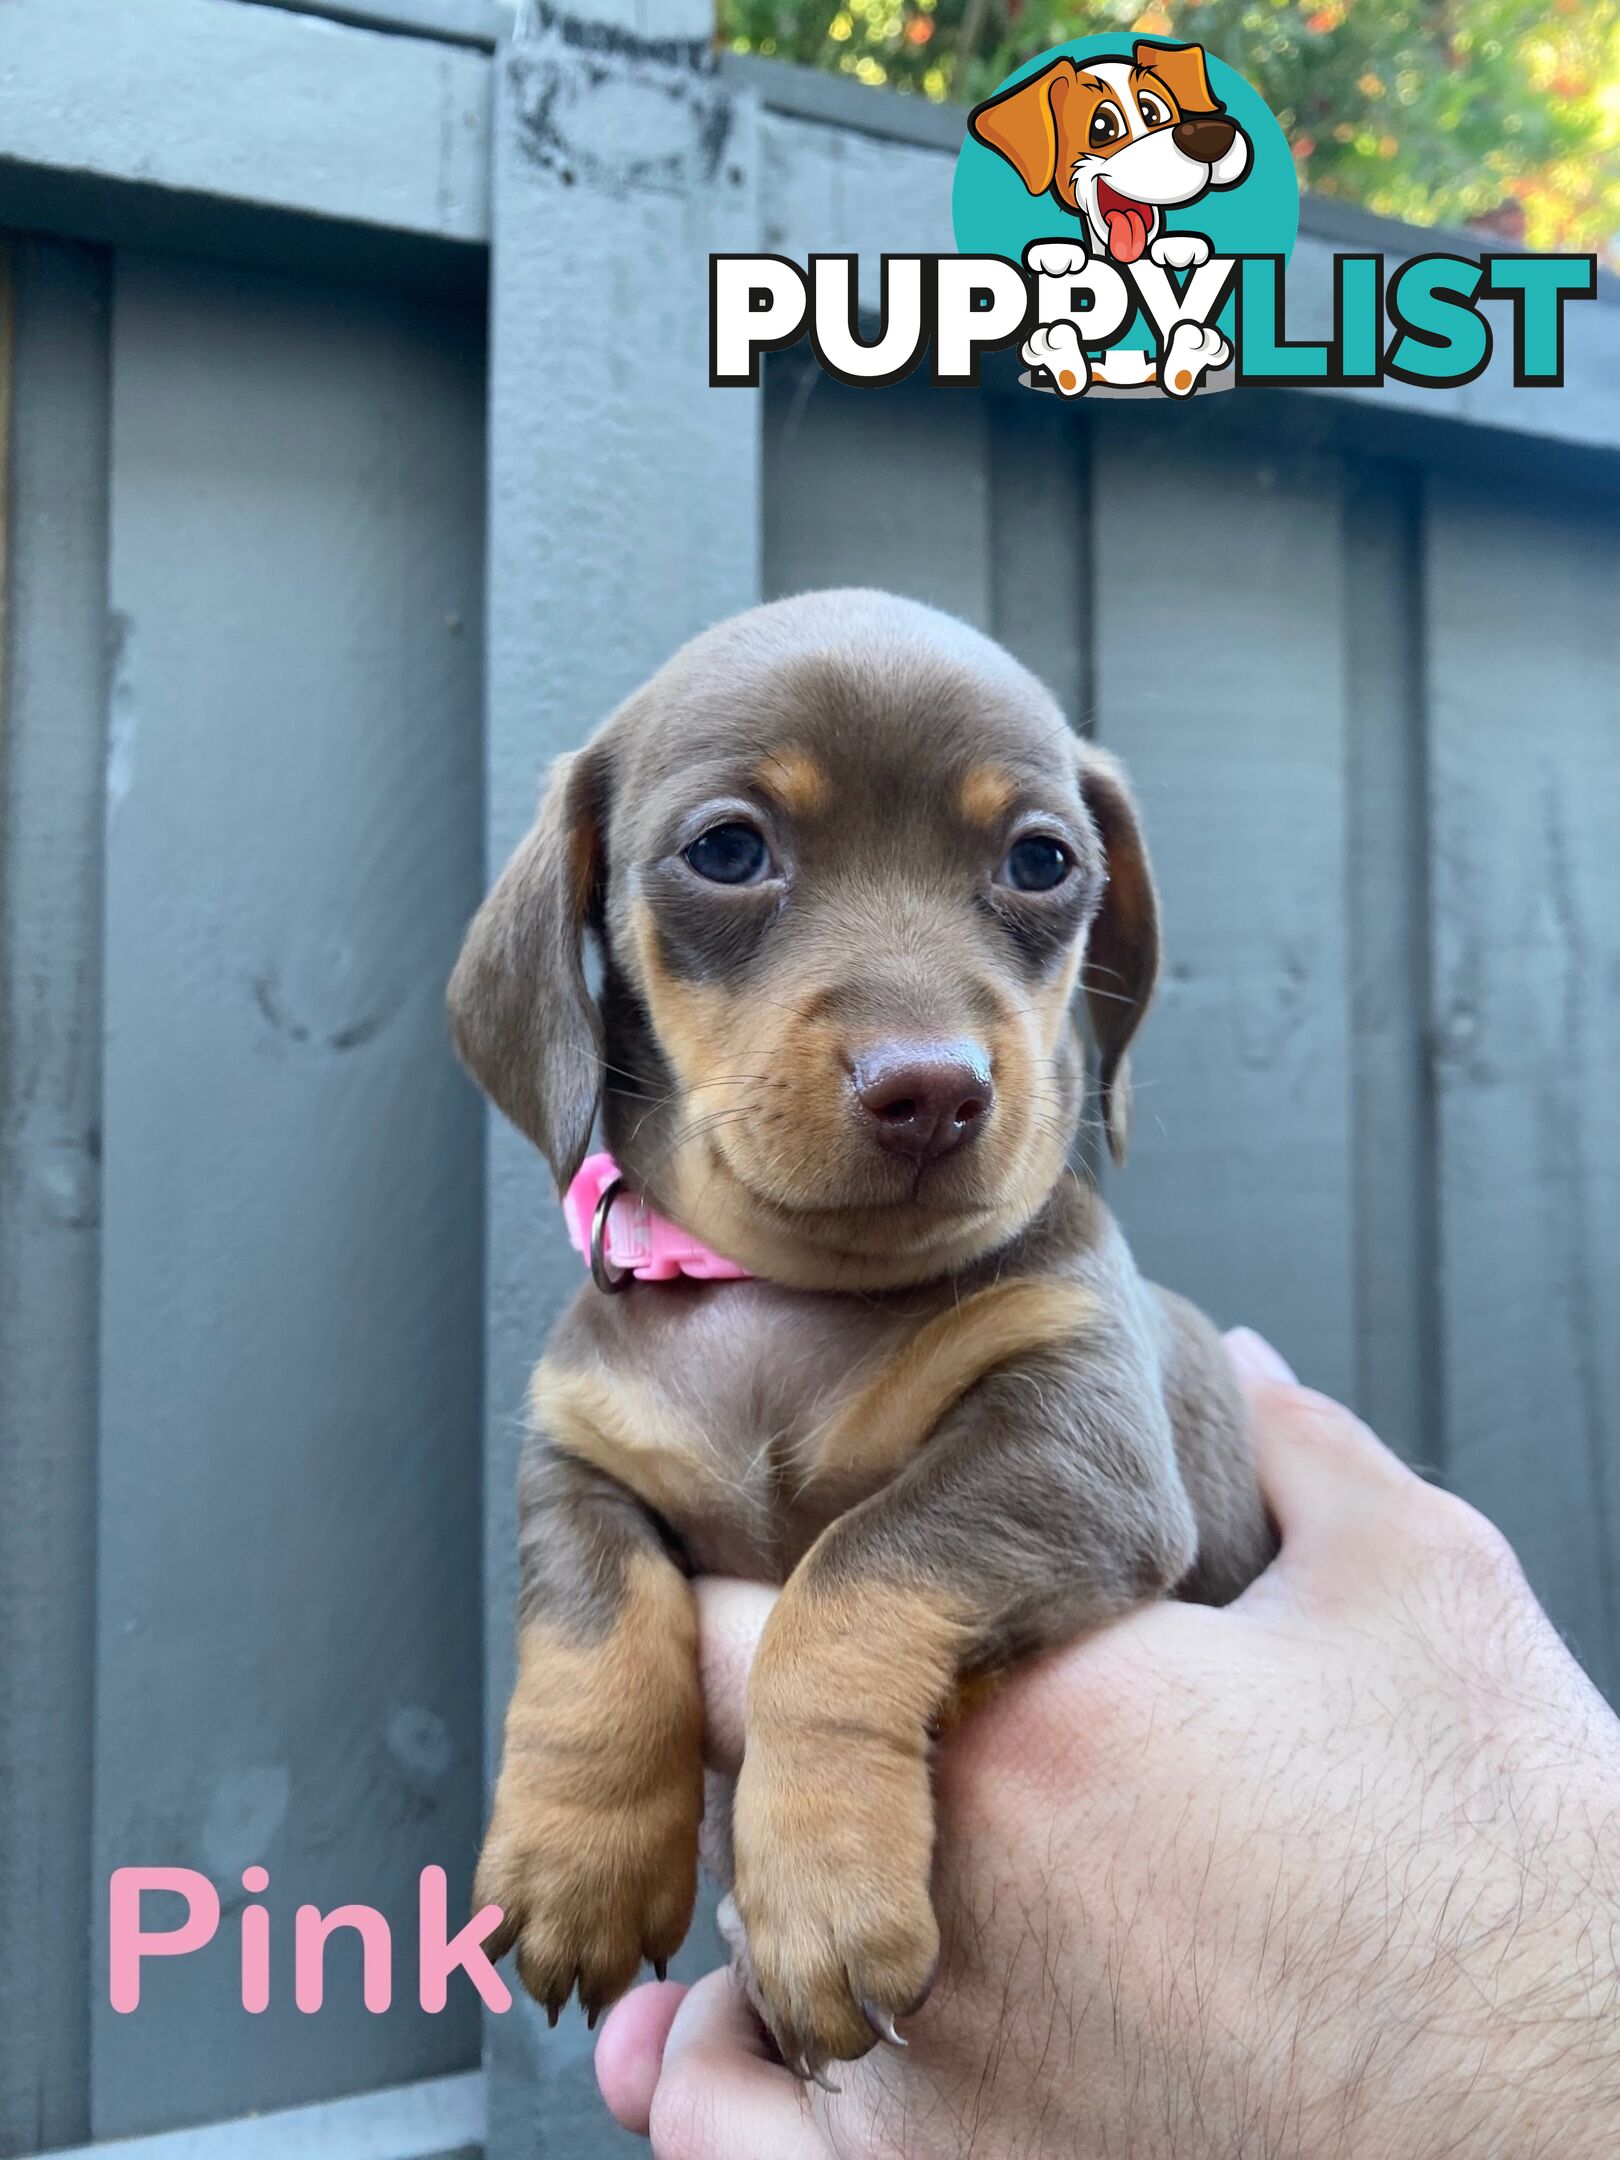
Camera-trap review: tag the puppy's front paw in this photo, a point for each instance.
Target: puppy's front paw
(592, 1849)
(592, 1874)
(1180, 251)
(1056, 258)
(1057, 348)
(1192, 351)
(832, 1890)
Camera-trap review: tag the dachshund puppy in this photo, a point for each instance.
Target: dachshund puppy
(846, 866)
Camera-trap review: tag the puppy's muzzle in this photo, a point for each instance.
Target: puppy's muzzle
(923, 1099)
(1207, 138)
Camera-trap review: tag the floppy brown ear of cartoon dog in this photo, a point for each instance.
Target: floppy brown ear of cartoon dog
(1184, 73)
(523, 1022)
(1023, 124)
(1122, 949)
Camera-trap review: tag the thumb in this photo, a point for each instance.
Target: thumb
(1329, 1483)
(719, 2096)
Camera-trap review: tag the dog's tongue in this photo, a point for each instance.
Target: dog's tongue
(1127, 231)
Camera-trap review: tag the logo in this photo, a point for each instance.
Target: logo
(1127, 184)
(1124, 216)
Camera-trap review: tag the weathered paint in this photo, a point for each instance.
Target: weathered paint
(624, 507)
(53, 544)
(251, 104)
(429, 2119)
(1522, 653)
(288, 1624)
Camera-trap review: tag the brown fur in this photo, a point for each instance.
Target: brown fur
(1041, 124)
(832, 1874)
(592, 1852)
(950, 1417)
(894, 1412)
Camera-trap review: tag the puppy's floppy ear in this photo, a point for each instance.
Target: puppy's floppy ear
(1022, 124)
(1182, 70)
(1122, 950)
(523, 1022)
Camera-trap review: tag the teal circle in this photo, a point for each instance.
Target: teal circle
(993, 213)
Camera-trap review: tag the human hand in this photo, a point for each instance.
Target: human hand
(1334, 1871)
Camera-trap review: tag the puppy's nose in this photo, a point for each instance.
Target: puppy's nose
(924, 1098)
(1207, 138)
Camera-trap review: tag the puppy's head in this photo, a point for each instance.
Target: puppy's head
(847, 866)
(1118, 141)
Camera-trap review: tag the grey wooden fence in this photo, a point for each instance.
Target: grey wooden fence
(270, 1286)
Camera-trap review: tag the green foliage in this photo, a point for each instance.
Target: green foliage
(1441, 114)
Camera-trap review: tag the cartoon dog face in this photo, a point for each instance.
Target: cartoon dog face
(1117, 141)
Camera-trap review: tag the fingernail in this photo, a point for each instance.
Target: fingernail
(1255, 1358)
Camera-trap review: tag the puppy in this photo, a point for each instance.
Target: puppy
(847, 867)
(1118, 142)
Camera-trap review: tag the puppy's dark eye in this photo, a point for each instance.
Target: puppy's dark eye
(1036, 864)
(1106, 126)
(733, 854)
(1153, 113)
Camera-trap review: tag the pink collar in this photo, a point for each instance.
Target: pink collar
(621, 1236)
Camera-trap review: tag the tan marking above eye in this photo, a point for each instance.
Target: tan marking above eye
(987, 793)
(795, 780)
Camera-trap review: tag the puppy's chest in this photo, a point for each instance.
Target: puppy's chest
(748, 1417)
(740, 1413)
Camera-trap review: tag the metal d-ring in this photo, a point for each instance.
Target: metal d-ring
(603, 1273)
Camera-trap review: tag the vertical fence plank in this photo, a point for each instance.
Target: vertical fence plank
(1523, 639)
(288, 1628)
(1040, 545)
(888, 488)
(1220, 679)
(1397, 1303)
(624, 508)
(53, 710)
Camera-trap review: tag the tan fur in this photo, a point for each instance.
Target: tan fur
(632, 1433)
(608, 1421)
(796, 781)
(987, 793)
(592, 1849)
(730, 1180)
(895, 1411)
(1180, 72)
(694, 1020)
(833, 1862)
(1041, 125)
(1024, 125)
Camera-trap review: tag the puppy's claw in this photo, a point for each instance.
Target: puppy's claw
(660, 1967)
(553, 2012)
(818, 2076)
(882, 2023)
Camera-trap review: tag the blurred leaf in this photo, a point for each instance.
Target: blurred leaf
(1436, 111)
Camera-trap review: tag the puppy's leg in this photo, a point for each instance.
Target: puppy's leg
(1047, 1501)
(591, 1851)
